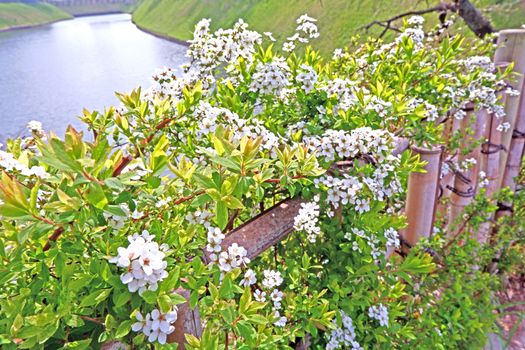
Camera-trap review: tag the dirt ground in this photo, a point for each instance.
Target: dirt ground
(513, 322)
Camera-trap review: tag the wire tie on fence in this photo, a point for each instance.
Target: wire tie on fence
(486, 148)
(504, 207)
(516, 134)
(462, 177)
(465, 194)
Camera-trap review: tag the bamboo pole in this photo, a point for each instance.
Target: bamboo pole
(422, 193)
(516, 153)
(447, 179)
(465, 181)
(511, 49)
(516, 145)
(490, 160)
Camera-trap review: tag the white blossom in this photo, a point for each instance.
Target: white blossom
(156, 326)
(144, 262)
(272, 279)
(379, 313)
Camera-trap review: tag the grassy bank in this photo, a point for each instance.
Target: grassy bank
(93, 9)
(339, 20)
(18, 15)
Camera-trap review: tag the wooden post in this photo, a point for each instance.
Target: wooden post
(511, 49)
(422, 194)
(465, 182)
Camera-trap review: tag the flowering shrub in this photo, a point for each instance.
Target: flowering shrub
(98, 234)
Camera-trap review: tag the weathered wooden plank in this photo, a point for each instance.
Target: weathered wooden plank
(188, 321)
(265, 229)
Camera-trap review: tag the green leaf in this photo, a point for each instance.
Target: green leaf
(164, 302)
(123, 329)
(177, 299)
(95, 297)
(149, 296)
(246, 330)
(78, 345)
(232, 202)
(17, 324)
(226, 289)
(121, 298)
(96, 196)
(221, 215)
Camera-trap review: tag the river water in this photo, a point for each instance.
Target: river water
(51, 73)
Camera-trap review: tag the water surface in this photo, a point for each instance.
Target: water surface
(51, 73)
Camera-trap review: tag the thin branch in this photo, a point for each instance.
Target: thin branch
(464, 8)
(54, 236)
(387, 24)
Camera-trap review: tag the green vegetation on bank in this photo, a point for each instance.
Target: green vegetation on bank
(339, 20)
(16, 15)
(97, 8)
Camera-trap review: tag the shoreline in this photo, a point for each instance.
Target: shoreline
(159, 35)
(28, 26)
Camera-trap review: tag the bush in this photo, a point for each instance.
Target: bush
(98, 233)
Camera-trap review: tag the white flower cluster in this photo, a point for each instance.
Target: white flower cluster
(116, 221)
(379, 313)
(235, 256)
(280, 320)
(35, 127)
(9, 163)
(371, 239)
(351, 189)
(483, 180)
(272, 279)
(209, 118)
(200, 217)
(392, 238)
(503, 127)
(271, 77)
(416, 21)
(209, 50)
(249, 278)
(307, 77)
(306, 29)
(307, 220)
(343, 91)
(431, 111)
(414, 31)
(144, 262)
(156, 326)
(474, 62)
(340, 144)
(343, 337)
(215, 238)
